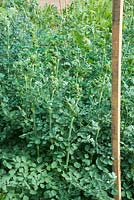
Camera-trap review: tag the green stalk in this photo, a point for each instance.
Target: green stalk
(8, 48)
(101, 94)
(102, 89)
(69, 137)
(35, 132)
(50, 122)
(50, 116)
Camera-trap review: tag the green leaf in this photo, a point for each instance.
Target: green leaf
(42, 186)
(6, 164)
(12, 172)
(33, 192)
(54, 165)
(77, 165)
(25, 198)
(52, 147)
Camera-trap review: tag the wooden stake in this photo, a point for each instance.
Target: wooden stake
(116, 88)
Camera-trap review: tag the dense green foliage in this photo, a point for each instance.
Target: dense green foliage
(55, 96)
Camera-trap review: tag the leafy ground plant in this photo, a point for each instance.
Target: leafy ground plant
(55, 91)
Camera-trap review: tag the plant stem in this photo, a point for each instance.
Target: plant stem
(50, 122)
(69, 137)
(102, 89)
(35, 132)
(8, 48)
(101, 93)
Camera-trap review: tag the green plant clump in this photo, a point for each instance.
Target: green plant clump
(55, 102)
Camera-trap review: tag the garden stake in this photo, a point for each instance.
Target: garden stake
(116, 88)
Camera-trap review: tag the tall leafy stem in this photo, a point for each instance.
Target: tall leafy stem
(35, 129)
(8, 47)
(53, 89)
(74, 114)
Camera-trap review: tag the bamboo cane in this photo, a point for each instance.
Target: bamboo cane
(116, 88)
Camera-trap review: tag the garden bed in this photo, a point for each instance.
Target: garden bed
(55, 94)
